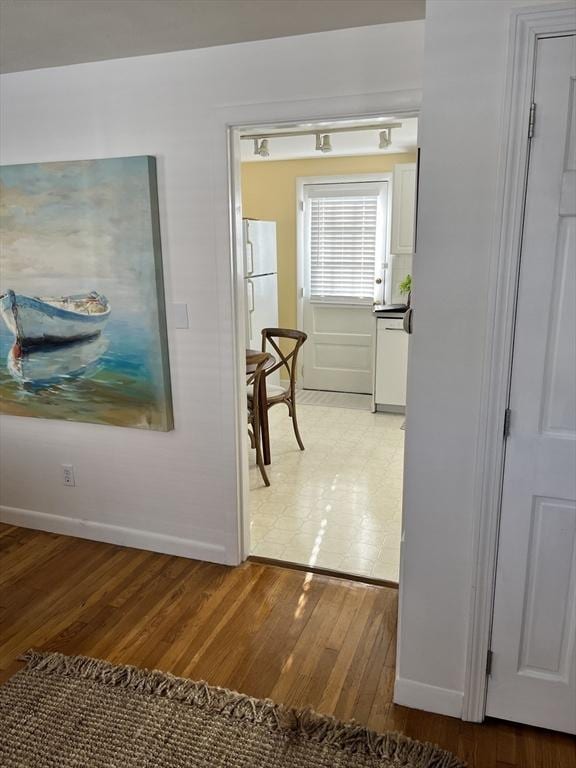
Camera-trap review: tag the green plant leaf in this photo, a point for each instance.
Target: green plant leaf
(406, 285)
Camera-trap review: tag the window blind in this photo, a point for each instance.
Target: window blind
(343, 229)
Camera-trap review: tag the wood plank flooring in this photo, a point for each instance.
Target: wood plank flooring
(298, 638)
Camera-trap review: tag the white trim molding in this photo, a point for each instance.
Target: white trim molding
(442, 701)
(527, 26)
(116, 534)
(240, 118)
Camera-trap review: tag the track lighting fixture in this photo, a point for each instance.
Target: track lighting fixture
(261, 147)
(385, 138)
(323, 142)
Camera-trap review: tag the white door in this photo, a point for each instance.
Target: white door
(533, 678)
(344, 244)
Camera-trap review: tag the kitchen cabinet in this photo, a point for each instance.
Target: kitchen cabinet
(391, 365)
(403, 209)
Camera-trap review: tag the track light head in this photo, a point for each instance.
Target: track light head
(261, 147)
(323, 142)
(385, 138)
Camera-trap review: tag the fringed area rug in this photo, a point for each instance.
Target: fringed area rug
(75, 712)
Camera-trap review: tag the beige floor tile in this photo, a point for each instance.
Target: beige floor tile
(389, 555)
(337, 504)
(358, 566)
(288, 523)
(261, 525)
(276, 536)
(312, 526)
(269, 549)
(385, 571)
(378, 524)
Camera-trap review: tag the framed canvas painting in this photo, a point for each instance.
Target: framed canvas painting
(83, 324)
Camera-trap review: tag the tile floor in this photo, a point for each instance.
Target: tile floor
(337, 504)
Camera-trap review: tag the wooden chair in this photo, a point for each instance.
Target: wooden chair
(253, 380)
(288, 361)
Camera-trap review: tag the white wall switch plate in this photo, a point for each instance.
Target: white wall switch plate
(180, 314)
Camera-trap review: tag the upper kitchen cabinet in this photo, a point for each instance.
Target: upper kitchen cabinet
(403, 209)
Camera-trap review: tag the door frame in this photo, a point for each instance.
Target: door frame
(340, 178)
(527, 26)
(247, 118)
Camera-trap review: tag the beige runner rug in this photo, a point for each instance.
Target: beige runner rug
(75, 712)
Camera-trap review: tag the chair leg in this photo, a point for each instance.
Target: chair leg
(295, 424)
(258, 441)
(262, 467)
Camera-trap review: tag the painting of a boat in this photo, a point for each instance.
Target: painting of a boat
(37, 321)
(44, 365)
(83, 332)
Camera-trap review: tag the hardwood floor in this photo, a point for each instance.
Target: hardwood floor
(298, 638)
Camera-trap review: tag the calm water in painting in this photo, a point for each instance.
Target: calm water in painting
(71, 228)
(105, 379)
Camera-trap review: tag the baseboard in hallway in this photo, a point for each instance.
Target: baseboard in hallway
(119, 535)
(334, 399)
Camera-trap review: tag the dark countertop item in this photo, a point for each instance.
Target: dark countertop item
(389, 310)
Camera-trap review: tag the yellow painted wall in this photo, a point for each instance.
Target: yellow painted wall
(269, 192)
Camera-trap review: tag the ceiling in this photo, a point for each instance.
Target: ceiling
(49, 33)
(404, 139)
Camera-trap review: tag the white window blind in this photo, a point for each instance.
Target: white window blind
(343, 241)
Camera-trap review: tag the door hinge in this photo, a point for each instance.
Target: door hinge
(507, 418)
(489, 657)
(531, 120)
(301, 205)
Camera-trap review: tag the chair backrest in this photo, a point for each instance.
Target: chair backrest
(259, 361)
(289, 359)
(253, 378)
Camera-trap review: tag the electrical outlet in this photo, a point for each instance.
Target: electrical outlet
(68, 475)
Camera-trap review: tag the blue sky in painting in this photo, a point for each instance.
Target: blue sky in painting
(84, 222)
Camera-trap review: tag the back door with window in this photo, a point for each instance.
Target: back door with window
(345, 237)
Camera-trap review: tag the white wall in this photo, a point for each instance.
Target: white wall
(175, 492)
(461, 138)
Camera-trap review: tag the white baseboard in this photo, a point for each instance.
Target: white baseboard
(115, 534)
(442, 701)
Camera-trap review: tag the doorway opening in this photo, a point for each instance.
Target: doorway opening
(328, 211)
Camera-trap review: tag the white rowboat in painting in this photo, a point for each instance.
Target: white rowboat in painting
(35, 321)
(48, 364)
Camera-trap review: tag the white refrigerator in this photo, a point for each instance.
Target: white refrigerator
(260, 279)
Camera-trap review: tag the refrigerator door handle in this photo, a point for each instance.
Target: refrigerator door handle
(250, 305)
(249, 257)
(250, 286)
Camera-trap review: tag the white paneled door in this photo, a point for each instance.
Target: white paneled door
(403, 209)
(344, 251)
(533, 678)
(339, 352)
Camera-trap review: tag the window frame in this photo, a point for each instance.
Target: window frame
(383, 183)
